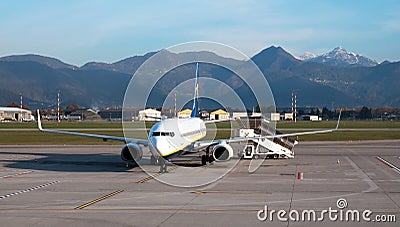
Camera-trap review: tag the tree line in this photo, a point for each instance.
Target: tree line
(361, 113)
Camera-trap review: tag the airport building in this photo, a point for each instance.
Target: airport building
(149, 115)
(288, 116)
(111, 114)
(15, 114)
(238, 115)
(205, 115)
(219, 115)
(275, 116)
(184, 113)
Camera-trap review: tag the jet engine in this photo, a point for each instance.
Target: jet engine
(131, 152)
(222, 152)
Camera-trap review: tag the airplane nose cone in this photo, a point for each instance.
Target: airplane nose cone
(153, 145)
(160, 145)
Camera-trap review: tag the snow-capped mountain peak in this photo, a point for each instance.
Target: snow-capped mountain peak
(306, 56)
(340, 53)
(343, 58)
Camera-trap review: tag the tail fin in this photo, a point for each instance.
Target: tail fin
(195, 108)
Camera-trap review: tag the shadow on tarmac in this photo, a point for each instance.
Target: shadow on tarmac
(60, 162)
(69, 162)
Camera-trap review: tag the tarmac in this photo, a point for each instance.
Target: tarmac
(91, 186)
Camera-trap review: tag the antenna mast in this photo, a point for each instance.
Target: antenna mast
(294, 106)
(58, 106)
(20, 99)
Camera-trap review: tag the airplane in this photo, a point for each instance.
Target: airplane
(172, 137)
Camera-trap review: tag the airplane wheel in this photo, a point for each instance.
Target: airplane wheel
(256, 156)
(153, 160)
(275, 156)
(203, 160)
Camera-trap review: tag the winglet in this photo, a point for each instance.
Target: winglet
(39, 121)
(338, 121)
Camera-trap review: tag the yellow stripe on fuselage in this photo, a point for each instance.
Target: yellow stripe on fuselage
(179, 149)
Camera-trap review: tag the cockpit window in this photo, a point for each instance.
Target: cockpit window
(171, 134)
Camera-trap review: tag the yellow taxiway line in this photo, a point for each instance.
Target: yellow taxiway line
(97, 200)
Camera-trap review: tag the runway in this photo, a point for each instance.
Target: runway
(91, 186)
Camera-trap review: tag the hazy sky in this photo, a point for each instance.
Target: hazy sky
(80, 31)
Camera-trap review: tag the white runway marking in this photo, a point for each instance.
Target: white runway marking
(29, 189)
(390, 165)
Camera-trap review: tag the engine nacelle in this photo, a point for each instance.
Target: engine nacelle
(131, 152)
(222, 152)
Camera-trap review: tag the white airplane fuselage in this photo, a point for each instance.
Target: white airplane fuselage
(170, 137)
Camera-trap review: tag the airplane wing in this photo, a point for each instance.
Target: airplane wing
(290, 134)
(103, 137)
(203, 143)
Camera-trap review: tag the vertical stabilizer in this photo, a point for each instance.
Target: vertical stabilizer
(195, 109)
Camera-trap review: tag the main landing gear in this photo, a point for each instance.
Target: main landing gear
(163, 165)
(206, 157)
(153, 160)
(159, 161)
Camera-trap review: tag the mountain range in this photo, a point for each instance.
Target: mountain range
(337, 78)
(339, 57)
